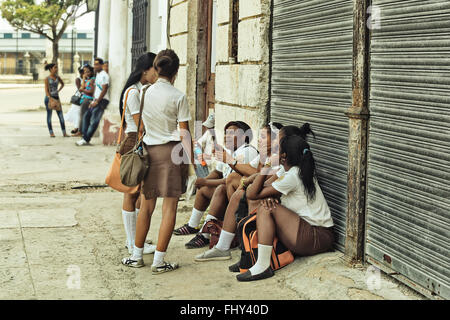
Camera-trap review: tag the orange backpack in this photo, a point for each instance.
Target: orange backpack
(248, 236)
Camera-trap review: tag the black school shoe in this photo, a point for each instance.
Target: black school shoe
(234, 267)
(247, 276)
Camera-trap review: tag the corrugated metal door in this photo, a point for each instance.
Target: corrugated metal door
(312, 82)
(408, 199)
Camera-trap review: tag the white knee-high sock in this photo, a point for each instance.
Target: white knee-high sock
(208, 218)
(196, 216)
(263, 262)
(137, 211)
(129, 222)
(158, 258)
(225, 240)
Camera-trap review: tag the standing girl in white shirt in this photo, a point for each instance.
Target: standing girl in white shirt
(302, 221)
(165, 107)
(130, 103)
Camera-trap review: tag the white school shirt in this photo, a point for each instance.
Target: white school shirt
(164, 107)
(207, 144)
(315, 212)
(255, 163)
(244, 155)
(132, 106)
(101, 78)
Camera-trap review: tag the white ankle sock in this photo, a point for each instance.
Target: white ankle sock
(196, 216)
(137, 253)
(129, 222)
(158, 258)
(263, 262)
(208, 218)
(225, 240)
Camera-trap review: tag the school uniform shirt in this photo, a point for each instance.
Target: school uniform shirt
(255, 163)
(164, 107)
(101, 79)
(315, 212)
(132, 105)
(244, 155)
(207, 144)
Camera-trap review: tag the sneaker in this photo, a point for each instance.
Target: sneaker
(213, 254)
(164, 267)
(130, 262)
(185, 230)
(199, 241)
(82, 142)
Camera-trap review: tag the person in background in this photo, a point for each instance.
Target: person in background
(94, 113)
(73, 115)
(52, 92)
(204, 148)
(106, 67)
(87, 94)
(130, 103)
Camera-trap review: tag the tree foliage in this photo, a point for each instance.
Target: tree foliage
(48, 18)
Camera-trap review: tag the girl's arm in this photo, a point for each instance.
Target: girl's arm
(62, 83)
(186, 140)
(78, 83)
(47, 91)
(257, 190)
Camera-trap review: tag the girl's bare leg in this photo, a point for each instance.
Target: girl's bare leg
(169, 215)
(143, 220)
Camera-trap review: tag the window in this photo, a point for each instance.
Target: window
(7, 35)
(41, 36)
(81, 36)
(64, 36)
(26, 35)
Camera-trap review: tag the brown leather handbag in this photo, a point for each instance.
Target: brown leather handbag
(113, 176)
(54, 104)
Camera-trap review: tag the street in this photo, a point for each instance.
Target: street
(62, 237)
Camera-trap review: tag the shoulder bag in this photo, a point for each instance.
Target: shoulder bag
(135, 163)
(113, 176)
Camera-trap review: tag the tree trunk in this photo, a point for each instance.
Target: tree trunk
(55, 46)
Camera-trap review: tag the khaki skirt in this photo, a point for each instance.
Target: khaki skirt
(164, 178)
(128, 143)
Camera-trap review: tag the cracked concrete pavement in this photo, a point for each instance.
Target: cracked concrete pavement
(57, 242)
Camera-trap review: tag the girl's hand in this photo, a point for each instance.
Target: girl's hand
(270, 203)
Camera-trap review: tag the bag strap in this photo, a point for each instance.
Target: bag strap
(123, 116)
(140, 113)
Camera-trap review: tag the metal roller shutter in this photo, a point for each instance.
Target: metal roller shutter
(312, 82)
(408, 199)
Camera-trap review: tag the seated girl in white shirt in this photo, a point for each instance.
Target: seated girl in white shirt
(294, 208)
(268, 146)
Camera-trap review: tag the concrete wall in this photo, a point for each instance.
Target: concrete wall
(242, 86)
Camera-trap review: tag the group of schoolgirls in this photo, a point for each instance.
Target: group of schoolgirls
(267, 200)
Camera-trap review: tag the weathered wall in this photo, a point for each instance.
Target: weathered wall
(242, 86)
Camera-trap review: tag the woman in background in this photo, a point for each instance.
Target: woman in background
(52, 83)
(73, 115)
